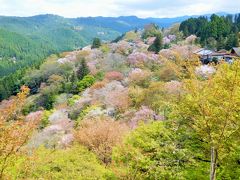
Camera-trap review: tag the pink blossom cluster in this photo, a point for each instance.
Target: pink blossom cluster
(95, 54)
(34, 115)
(92, 67)
(191, 39)
(150, 40)
(168, 39)
(66, 140)
(205, 71)
(138, 58)
(122, 47)
(114, 75)
(138, 74)
(145, 114)
(113, 94)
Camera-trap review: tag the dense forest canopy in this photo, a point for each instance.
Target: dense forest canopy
(216, 32)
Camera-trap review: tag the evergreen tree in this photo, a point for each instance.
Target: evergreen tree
(157, 44)
(96, 43)
(221, 43)
(82, 70)
(232, 41)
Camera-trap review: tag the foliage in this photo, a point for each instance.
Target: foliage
(105, 48)
(72, 163)
(139, 77)
(210, 109)
(15, 132)
(150, 30)
(96, 43)
(157, 44)
(218, 32)
(131, 36)
(149, 152)
(82, 70)
(73, 99)
(86, 82)
(45, 119)
(100, 136)
(114, 75)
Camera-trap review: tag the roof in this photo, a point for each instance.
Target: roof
(236, 50)
(204, 52)
(222, 51)
(219, 54)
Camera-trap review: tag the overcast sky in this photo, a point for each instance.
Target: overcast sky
(141, 8)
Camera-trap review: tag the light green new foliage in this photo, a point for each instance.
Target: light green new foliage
(45, 121)
(73, 100)
(211, 109)
(73, 163)
(131, 36)
(86, 82)
(150, 152)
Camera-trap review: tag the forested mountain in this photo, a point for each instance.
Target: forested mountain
(26, 41)
(215, 32)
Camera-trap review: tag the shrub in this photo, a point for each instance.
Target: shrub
(86, 82)
(100, 135)
(99, 76)
(73, 99)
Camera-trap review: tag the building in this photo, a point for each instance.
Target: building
(235, 51)
(207, 56)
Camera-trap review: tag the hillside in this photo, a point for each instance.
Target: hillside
(52, 33)
(142, 107)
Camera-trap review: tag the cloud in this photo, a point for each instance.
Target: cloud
(142, 8)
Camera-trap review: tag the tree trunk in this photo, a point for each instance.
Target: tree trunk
(213, 163)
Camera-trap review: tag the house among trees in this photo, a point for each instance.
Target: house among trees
(235, 51)
(207, 56)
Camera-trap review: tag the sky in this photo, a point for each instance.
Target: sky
(140, 8)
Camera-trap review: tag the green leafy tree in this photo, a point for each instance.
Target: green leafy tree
(232, 41)
(71, 163)
(149, 152)
(211, 109)
(96, 43)
(86, 82)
